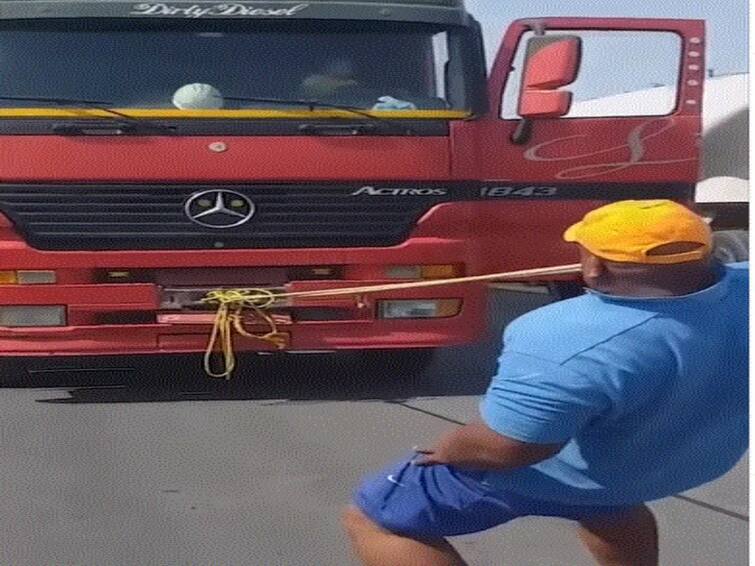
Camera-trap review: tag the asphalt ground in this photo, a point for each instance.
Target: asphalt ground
(148, 462)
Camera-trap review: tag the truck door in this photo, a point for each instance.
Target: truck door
(594, 109)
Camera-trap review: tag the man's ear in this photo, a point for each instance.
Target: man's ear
(592, 266)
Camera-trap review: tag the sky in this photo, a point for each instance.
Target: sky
(726, 22)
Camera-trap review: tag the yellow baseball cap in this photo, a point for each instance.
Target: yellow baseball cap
(628, 231)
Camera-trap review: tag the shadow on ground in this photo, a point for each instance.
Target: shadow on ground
(335, 377)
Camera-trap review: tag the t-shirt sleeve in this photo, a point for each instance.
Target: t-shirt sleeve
(537, 401)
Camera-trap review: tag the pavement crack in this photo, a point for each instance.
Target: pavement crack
(429, 413)
(711, 507)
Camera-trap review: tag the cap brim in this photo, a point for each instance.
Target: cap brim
(571, 233)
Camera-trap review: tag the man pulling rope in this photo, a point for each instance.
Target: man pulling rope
(633, 392)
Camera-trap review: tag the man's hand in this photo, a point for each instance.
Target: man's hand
(478, 447)
(428, 457)
(431, 456)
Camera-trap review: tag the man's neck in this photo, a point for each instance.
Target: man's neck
(649, 289)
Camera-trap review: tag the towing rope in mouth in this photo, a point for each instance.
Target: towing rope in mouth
(233, 303)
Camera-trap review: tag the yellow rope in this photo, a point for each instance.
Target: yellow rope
(229, 317)
(233, 302)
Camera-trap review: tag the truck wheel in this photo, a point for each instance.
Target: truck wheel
(12, 373)
(731, 246)
(396, 364)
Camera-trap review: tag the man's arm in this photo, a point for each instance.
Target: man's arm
(476, 446)
(531, 410)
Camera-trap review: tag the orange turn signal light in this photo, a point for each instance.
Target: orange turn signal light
(8, 278)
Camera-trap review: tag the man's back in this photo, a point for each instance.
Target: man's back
(652, 392)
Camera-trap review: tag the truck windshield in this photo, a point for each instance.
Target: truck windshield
(202, 65)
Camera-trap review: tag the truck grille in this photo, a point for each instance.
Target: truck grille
(138, 217)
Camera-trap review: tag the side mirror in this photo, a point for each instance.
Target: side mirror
(551, 62)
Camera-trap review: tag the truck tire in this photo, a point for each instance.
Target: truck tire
(12, 373)
(731, 246)
(396, 364)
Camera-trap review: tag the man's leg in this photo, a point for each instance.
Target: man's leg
(629, 539)
(377, 547)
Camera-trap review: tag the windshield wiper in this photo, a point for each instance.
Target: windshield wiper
(128, 123)
(312, 105)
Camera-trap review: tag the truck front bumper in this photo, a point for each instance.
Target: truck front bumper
(358, 325)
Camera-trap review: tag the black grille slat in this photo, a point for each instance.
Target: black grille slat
(34, 218)
(62, 207)
(299, 235)
(29, 207)
(260, 228)
(115, 200)
(140, 217)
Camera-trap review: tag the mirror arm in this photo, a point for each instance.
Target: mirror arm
(536, 26)
(523, 132)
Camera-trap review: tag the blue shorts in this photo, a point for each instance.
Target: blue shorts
(431, 502)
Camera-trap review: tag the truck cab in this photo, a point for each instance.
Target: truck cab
(153, 152)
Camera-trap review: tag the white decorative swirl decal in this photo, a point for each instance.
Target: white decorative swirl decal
(634, 144)
(215, 10)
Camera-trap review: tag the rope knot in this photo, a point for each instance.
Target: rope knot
(255, 298)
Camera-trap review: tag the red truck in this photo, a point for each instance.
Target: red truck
(152, 152)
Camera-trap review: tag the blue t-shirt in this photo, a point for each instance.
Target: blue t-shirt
(650, 395)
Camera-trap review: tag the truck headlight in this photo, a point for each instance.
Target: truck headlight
(421, 308)
(27, 277)
(31, 316)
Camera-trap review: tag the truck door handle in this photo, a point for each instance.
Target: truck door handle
(92, 129)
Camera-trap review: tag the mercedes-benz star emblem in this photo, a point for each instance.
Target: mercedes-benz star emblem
(219, 208)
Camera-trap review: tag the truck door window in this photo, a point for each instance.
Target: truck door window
(614, 65)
